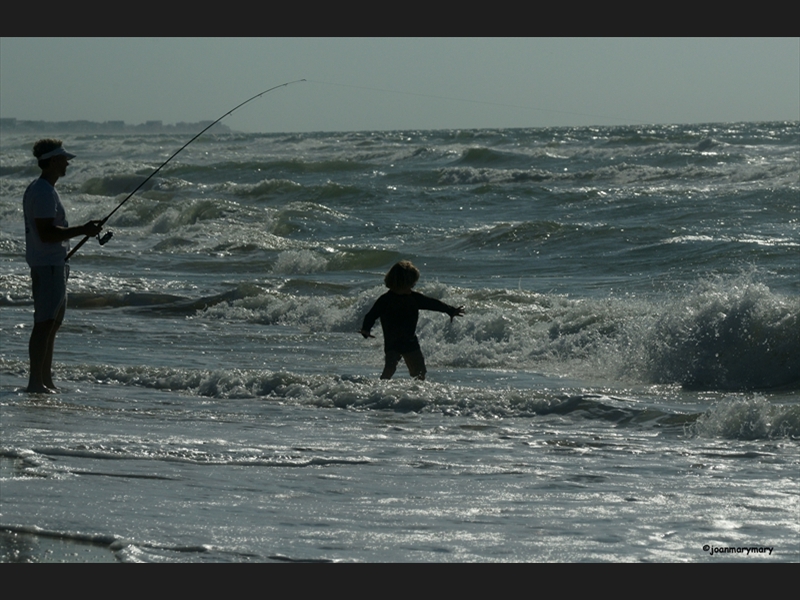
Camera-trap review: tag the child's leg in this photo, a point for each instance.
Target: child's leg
(390, 366)
(416, 364)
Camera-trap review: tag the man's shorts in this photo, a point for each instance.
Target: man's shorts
(49, 291)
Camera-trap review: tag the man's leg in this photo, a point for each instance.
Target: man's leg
(47, 367)
(40, 351)
(49, 301)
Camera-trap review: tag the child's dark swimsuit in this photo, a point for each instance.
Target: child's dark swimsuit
(399, 314)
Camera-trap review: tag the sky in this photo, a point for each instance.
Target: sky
(358, 83)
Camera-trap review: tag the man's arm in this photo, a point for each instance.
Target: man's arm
(53, 234)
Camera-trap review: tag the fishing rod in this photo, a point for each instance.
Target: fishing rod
(108, 234)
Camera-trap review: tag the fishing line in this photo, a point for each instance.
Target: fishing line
(488, 103)
(108, 234)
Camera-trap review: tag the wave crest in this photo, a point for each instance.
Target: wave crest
(727, 335)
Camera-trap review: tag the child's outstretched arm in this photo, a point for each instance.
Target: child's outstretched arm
(427, 303)
(456, 312)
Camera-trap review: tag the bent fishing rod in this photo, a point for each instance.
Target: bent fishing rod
(108, 234)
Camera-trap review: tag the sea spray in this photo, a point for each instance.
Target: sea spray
(753, 418)
(727, 334)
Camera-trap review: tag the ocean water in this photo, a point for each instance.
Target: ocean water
(624, 385)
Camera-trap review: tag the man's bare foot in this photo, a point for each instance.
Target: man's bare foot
(36, 389)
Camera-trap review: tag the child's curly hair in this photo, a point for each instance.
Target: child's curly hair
(403, 275)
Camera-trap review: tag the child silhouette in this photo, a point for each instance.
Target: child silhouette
(398, 309)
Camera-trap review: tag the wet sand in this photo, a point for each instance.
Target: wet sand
(23, 547)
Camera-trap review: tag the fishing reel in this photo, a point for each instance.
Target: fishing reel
(104, 240)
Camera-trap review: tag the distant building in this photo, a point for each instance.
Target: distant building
(10, 124)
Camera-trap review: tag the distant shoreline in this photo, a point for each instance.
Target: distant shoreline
(11, 125)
